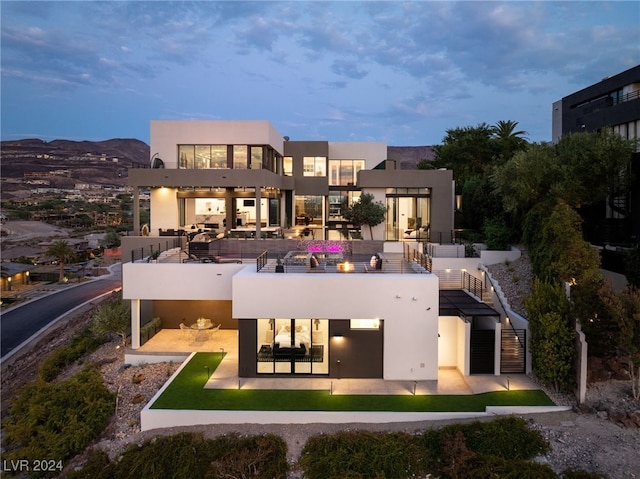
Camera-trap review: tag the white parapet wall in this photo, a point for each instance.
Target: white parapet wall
(496, 257)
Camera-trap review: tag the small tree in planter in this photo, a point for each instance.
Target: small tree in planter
(365, 212)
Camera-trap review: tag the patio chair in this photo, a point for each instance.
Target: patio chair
(213, 330)
(187, 332)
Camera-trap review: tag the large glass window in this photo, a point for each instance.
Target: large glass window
(203, 157)
(309, 210)
(287, 166)
(344, 172)
(240, 157)
(256, 157)
(186, 156)
(218, 156)
(314, 165)
(408, 214)
(338, 200)
(292, 346)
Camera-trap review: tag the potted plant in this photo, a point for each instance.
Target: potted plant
(279, 265)
(153, 256)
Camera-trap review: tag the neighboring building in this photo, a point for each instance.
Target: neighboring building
(612, 103)
(245, 179)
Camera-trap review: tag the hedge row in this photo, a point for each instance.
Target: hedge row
(150, 329)
(191, 456)
(504, 448)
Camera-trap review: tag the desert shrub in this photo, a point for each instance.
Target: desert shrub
(190, 455)
(361, 454)
(507, 437)
(81, 344)
(57, 420)
(500, 448)
(96, 462)
(494, 467)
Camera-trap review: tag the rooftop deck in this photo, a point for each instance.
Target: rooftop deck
(299, 262)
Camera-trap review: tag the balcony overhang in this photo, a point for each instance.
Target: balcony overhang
(404, 178)
(222, 178)
(456, 302)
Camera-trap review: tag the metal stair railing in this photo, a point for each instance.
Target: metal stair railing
(504, 310)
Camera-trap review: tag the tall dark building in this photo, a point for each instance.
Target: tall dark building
(612, 103)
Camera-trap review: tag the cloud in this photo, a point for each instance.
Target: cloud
(349, 68)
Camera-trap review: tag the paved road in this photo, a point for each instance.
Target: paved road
(22, 322)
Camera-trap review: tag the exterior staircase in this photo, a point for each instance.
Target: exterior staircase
(512, 355)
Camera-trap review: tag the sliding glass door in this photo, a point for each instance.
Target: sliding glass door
(292, 346)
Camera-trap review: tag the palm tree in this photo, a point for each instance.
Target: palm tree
(63, 252)
(510, 140)
(505, 130)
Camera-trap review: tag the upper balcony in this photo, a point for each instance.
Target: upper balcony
(222, 178)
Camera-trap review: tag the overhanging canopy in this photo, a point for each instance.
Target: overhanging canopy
(457, 302)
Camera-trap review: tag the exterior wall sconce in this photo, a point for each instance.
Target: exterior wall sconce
(414, 299)
(398, 296)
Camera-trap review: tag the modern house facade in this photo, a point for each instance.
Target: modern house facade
(612, 103)
(230, 174)
(373, 312)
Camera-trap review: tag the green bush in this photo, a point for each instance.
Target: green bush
(499, 448)
(57, 420)
(508, 438)
(362, 454)
(190, 455)
(497, 234)
(150, 329)
(81, 344)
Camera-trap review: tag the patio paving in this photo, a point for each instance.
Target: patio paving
(450, 380)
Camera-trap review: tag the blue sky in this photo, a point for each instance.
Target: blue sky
(397, 72)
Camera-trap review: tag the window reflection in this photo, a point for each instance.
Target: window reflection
(240, 157)
(344, 172)
(314, 166)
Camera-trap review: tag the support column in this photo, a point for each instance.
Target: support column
(258, 212)
(497, 362)
(135, 324)
(136, 211)
(230, 210)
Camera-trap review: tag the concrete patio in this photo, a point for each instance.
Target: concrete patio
(174, 343)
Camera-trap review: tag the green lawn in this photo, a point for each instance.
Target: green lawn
(186, 392)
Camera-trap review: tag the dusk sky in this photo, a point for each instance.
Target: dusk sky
(397, 72)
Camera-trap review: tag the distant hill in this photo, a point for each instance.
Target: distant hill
(408, 157)
(128, 150)
(100, 162)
